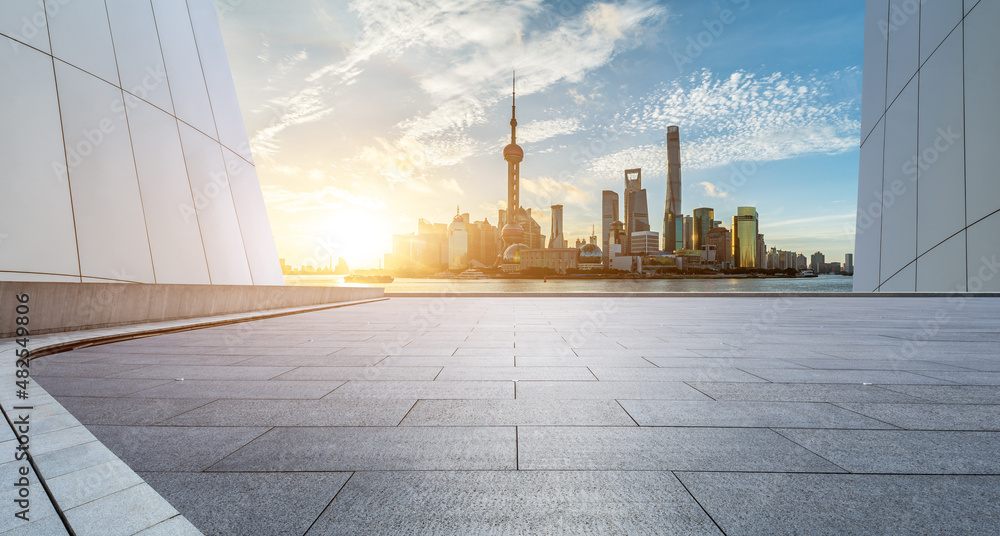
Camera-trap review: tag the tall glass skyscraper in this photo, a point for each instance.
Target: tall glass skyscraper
(745, 226)
(609, 215)
(703, 221)
(672, 209)
(633, 183)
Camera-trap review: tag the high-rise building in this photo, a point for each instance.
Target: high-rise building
(745, 227)
(633, 183)
(609, 215)
(640, 211)
(928, 195)
(513, 233)
(849, 263)
(761, 251)
(458, 243)
(557, 240)
(125, 159)
(672, 208)
(816, 262)
(645, 243)
(721, 238)
(704, 218)
(688, 232)
(483, 240)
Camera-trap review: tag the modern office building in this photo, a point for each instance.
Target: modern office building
(703, 220)
(688, 232)
(640, 211)
(633, 183)
(124, 154)
(645, 243)
(672, 208)
(458, 242)
(556, 238)
(745, 236)
(816, 261)
(849, 263)
(721, 239)
(928, 194)
(609, 215)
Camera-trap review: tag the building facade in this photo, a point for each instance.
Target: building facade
(556, 238)
(609, 215)
(703, 220)
(633, 183)
(928, 197)
(645, 243)
(130, 160)
(744, 233)
(672, 207)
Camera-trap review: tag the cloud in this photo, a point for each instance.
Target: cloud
(712, 190)
(537, 131)
(451, 185)
(327, 198)
(547, 191)
(304, 106)
(742, 117)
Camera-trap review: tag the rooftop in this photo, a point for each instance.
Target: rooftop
(515, 415)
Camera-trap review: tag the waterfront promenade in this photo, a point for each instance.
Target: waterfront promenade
(532, 415)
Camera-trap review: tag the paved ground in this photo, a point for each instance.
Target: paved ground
(563, 415)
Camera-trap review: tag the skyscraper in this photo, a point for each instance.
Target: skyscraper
(688, 232)
(557, 240)
(640, 211)
(704, 218)
(672, 210)
(609, 215)
(633, 183)
(513, 233)
(744, 234)
(458, 243)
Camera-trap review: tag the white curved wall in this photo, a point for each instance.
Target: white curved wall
(123, 154)
(928, 190)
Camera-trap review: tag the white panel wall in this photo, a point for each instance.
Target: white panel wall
(24, 21)
(252, 213)
(35, 207)
(111, 230)
(174, 233)
(942, 269)
(140, 62)
(899, 211)
(873, 76)
(982, 82)
(941, 168)
(867, 249)
(187, 82)
(903, 281)
(81, 37)
(213, 202)
(984, 255)
(226, 107)
(104, 184)
(904, 37)
(937, 19)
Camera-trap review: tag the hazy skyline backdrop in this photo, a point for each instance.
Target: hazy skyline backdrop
(365, 116)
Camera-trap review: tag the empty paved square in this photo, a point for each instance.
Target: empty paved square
(527, 415)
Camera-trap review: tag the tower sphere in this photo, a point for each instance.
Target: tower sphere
(513, 153)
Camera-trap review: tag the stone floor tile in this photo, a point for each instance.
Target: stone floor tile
(326, 412)
(421, 389)
(607, 390)
(744, 414)
(516, 412)
(174, 448)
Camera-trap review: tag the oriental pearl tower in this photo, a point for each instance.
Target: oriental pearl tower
(512, 233)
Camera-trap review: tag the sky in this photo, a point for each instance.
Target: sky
(365, 116)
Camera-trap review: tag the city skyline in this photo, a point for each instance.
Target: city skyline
(360, 118)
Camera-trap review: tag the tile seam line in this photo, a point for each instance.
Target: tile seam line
(56, 348)
(329, 504)
(696, 501)
(810, 451)
(41, 479)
